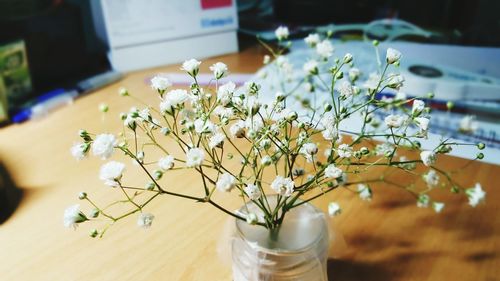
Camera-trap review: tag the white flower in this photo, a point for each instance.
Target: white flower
(195, 157)
(475, 194)
(392, 55)
(203, 126)
(223, 112)
(166, 163)
(330, 131)
(423, 201)
(281, 60)
(383, 149)
(237, 130)
(192, 67)
(226, 182)
(333, 172)
(308, 87)
(344, 150)
(400, 96)
(354, 73)
(395, 81)
(111, 173)
(437, 206)
(311, 67)
(394, 121)
(283, 186)
(345, 89)
(334, 209)
(145, 220)
(219, 69)
(145, 114)
(312, 39)
(216, 140)
(428, 157)
(173, 99)
(468, 124)
(418, 106)
(103, 145)
(431, 178)
(423, 123)
(73, 216)
(324, 49)
(160, 82)
(225, 93)
(266, 160)
(309, 150)
(79, 150)
(365, 193)
(130, 122)
(266, 60)
(252, 191)
(282, 32)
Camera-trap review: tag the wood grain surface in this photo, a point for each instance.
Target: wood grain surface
(387, 238)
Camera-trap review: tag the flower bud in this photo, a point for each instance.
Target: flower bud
(375, 43)
(165, 131)
(430, 95)
(103, 107)
(327, 107)
(480, 156)
(267, 59)
(82, 195)
(123, 92)
(93, 233)
(252, 134)
(449, 105)
(292, 116)
(157, 174)
(481, 146)
(266, 160)
(150, 186)
(265, 143)
(347, 58)
(255, 109)
(251, 218)
(339, 75)
(280, 96)
(94, 213)
(364, 150)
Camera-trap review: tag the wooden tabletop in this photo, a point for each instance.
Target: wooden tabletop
(387, 238)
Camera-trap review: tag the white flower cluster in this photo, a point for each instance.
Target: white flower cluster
(236, 138)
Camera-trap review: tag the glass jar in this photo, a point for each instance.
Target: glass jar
(299, 251)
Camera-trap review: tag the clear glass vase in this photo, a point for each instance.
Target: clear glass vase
(298, 251)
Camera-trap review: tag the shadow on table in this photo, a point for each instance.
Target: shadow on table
(10, 194)
(391, 268)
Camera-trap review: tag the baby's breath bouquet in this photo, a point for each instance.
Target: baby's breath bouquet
(289, 141)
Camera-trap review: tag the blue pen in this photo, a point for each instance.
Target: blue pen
(43, 104)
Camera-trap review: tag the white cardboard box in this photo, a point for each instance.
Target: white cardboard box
(148, 33)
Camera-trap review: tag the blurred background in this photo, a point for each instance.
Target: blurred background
(54, 48)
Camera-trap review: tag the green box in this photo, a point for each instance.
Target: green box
(14, 73)
(3, 102)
